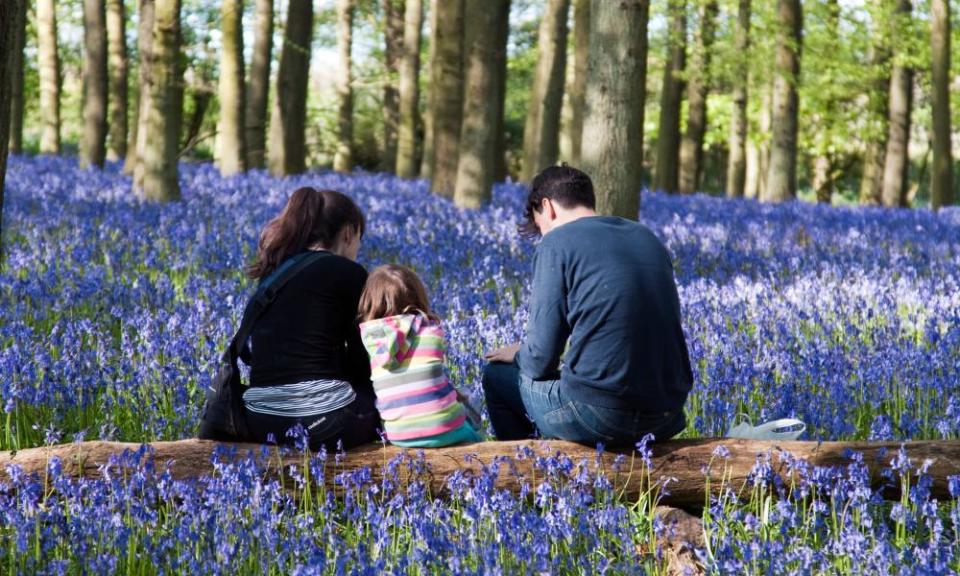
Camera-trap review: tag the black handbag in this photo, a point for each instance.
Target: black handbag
(223, 413)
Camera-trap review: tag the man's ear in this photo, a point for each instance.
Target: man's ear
(547, 209)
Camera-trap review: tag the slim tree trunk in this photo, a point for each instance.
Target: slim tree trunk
(201, 103)
(409, 90)
(666, 174)
(942, 175)
(393, 53)
(258, 85)
(541, 133)
(288, 118)
(478, 136)
(824, 163)
(11, 35)
(446, 87)
(231, 130)
(578, 89)
(138, 136)
(343, 158)
(878, 97)
(698, 87)
(426, 161)
(49, 76)
(117, 51)
(782, 172)
(898, 124)
(503, 35)
(613, 123)
(93, 143)
(737, 159)
(163, 119)
(16, 67)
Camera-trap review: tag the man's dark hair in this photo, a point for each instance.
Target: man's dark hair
(562, 184)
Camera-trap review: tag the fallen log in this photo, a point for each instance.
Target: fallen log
(682, 460)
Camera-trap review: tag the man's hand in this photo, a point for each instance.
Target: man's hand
(505, 354)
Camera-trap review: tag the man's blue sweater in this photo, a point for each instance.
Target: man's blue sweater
(607, 284)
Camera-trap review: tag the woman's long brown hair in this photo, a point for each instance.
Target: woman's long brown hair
(310, 217)
(391, 290)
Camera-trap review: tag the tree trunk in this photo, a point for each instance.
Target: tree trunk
(541, 133)
(201, 103)
(138, 137)
(942, 175)
(698, 87)
(613, 124)
(578, 88)
(343, 158)
(258, 86)
(15, 48)
(737, 159)
(287, 154)
(478, 136)
(503, 36)
(666, 174)
(446, 94)
(393, 53)
(687, 462)
(426, 161)
(12, 24)
(782, 172)
(409, 90)
(49, 76)
(93, 143)
(898, 125)
(231, 129)
(824, 163)
(117, 53)
(875, 148)
(163, 119)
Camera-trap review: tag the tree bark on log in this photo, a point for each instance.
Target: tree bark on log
(682, 460)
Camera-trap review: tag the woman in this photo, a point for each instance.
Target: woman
(307, 363)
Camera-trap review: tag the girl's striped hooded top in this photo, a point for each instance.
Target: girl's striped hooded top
(414, 396)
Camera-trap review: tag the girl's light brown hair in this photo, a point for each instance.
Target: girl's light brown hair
(392, 290)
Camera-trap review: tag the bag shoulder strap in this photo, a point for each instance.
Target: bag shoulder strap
(265, 295)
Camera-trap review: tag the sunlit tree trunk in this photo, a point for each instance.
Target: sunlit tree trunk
(231, 122)
(613, 122)
(871, 184)
(824, 163)
(47, 48)
(666, 173)
(287, 150)
(737, 159)
(782, 172)
(409, 90)
(343, 157)
(117, 54)
(942, 174)
(258, 85)
(93, 141)
(163, 119)
(541, 133)
(19, 22)
(698, 87)
(138, 135)
(898, 124)
(446, 98)
(393, 53)
(426, 161)
(478, 136)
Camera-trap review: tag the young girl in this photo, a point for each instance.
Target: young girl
(405, 341)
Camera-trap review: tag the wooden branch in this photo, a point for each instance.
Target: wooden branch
(681, 460)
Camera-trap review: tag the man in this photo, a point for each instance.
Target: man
(604, 357)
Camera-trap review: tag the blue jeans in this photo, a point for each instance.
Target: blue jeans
(520, 407)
